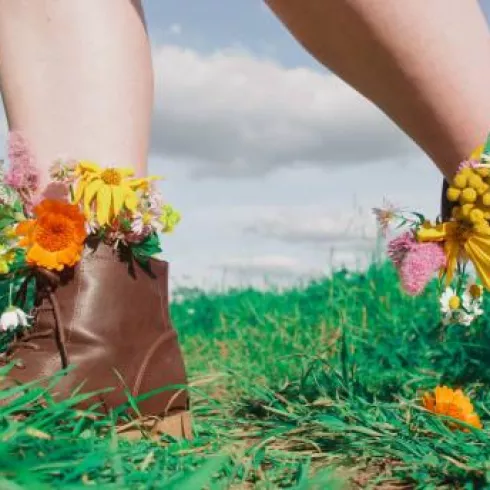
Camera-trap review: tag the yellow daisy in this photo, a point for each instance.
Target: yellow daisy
(461, 241)
(110, 188)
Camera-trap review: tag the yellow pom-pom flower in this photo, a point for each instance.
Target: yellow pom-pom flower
(467, 171)
(483, 228)
(474, 181)
(476, 215)
(483, 172)
(453, 194)
(456, 213)
(482, 189)
(460, 181)
(466, 210)
(468, 195)
(486, 199)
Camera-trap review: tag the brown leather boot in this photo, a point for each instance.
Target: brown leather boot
(103, 317)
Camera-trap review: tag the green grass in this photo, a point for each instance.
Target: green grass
(317, 387)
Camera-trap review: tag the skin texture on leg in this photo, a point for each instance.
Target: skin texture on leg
(77, 79)
(425, 64)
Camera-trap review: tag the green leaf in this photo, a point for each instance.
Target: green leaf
(148, 247)
(5, 222)
(200, 478)
(6, 211)
(486, 149)
(420, 217)
(18, 206)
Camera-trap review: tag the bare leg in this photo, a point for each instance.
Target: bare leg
(425, 64)
(77, 80)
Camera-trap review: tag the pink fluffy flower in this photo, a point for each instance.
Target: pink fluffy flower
(416, 262)
(400, 246)
(22, 173)
(419, 265)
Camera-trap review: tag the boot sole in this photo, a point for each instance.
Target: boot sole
(176, 425)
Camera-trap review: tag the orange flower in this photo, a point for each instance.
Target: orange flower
(452, 403)
(55, 238)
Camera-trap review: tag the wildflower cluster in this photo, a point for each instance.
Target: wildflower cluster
(449, 247)
(84, 203)
(118, 208)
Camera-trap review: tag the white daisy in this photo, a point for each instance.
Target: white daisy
(457, 310)
(12, 318)
(449, 302)
(445, 299)
(461, 310)
(464, 318)
(472, 299)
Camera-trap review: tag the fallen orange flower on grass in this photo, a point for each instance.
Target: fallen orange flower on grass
(55, 238)
(452, 403)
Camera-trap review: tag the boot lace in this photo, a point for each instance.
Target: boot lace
(46, 283)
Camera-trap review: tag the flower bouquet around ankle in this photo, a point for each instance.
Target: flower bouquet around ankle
(87, 205)
(450, 248)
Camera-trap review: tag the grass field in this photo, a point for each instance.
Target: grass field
(317, 387)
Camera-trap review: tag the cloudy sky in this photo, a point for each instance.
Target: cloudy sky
(255, 141)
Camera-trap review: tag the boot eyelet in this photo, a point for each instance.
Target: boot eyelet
(19, 363)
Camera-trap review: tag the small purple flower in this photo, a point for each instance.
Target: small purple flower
(22, 174)
(468, 164)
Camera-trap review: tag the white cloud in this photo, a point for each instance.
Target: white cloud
(175, 30)
(231, 114)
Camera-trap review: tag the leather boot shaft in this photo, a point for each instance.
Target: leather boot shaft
(110, 321)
